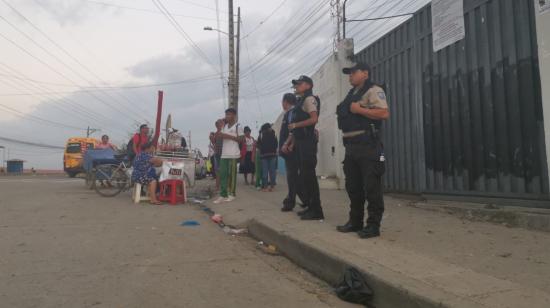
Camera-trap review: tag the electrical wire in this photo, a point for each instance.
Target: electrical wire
(145, 10)
(220, 54)
(60, 48)
(184, 34)
(265, 19)
(31, 143)
(56, 71)
(71, 108)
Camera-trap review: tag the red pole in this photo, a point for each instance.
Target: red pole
(159, 118)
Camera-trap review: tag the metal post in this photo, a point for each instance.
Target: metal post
(231, 34)
(3, 157)
(238, 61)
(88, 132)
(344, 20)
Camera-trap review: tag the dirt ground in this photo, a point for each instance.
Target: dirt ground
(63, 246)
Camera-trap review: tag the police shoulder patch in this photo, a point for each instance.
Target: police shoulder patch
(382, 95)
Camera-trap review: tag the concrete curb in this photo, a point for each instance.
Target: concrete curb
(530, 219)
(391, 289)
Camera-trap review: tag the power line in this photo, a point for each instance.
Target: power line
(284, 46)
(37, 119)
(35, 144)
(265, 19)
(379, 18)
(382, 28)
(73, 58)
(145, 10)
(198, 5)
(73, 106)
(220, 54)
(182, 32)
(279, 44)
(254, 81)
(54, 70)
(174, 83)
(64, 51)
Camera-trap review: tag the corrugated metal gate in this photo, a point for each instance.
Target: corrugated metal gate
(467, 119)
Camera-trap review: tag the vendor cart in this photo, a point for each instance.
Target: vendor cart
(187, 160)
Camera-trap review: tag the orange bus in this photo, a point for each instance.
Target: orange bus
(73, 156)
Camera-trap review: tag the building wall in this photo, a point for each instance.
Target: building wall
(331, 86)
(543, 38)
(468, 118)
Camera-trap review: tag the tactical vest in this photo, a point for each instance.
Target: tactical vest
(300, 115)
(350, 122)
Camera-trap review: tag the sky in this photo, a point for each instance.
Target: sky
(66, 65)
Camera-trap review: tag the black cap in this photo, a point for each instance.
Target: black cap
(356, 67)
(301, 79)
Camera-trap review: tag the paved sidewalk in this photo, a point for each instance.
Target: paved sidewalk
(424, 258)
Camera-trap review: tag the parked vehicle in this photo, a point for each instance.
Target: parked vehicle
(200, 164)
(73, 156)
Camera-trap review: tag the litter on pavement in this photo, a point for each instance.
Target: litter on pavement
(190, 223)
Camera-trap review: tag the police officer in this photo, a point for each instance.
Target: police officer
(303, 140)
(360, 116)
(291, 162)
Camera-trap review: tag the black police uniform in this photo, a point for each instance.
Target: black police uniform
(305, 146)
(363, 165)
(292, 168)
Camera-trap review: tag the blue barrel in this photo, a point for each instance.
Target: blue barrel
(15, 166)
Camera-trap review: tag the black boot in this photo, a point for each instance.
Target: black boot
(349, 227)
(302, 212)
(287, 208)
(369, 232)
(313, 215)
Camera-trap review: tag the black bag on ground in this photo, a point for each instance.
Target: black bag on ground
(354, 288)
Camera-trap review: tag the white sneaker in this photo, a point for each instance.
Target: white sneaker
(230, 198)
(219, 200)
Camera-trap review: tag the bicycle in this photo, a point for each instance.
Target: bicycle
(109, 180)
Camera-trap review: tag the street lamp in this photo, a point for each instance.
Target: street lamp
(208, 28)
(234, 61)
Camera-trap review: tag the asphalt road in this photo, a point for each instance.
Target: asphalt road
(63, 246)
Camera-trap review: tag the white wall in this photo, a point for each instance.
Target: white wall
(543, 38)
(331, 86)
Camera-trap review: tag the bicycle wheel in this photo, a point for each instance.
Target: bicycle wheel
(90, 179)
(109, 180)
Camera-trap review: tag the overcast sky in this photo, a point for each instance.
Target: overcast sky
(69, 64)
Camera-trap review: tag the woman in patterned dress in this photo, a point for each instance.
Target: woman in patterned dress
(144, 170)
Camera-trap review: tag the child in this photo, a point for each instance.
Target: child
(248, 151)
(268, 145)
(231, 153)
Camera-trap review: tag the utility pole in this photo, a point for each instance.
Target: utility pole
(3, 157)
(231, 34)
(238, 62)
(90, 131)
(344, 20)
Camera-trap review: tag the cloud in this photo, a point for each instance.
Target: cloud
(194, 106)
(67, 12)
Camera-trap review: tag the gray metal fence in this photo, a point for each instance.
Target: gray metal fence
(467, 119)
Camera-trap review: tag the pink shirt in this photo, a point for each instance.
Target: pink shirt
(103, 146)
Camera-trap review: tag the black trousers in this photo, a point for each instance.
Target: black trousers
(295, 186)
(364, 183)
(306, 151)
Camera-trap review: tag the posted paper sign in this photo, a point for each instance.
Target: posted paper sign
(447, 22)
(544, 6)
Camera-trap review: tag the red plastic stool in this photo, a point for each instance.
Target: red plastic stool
(170, 192)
